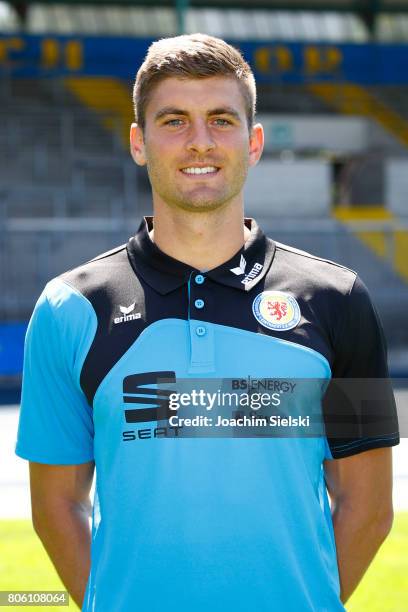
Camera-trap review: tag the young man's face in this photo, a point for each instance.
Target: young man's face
(196, 142)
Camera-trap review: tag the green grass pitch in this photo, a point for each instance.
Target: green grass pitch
(24, 566)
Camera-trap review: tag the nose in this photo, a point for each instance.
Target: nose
(200, 138)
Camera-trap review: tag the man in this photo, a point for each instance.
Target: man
(202, 522)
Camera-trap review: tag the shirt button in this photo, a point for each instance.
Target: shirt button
(199, 303)
(199, 279)
(201, 330)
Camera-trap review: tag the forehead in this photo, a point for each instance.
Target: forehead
(196, 95)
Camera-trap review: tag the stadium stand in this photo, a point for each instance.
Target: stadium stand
(58, 149)
(69, 190)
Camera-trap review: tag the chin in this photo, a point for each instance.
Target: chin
(202, 202)
(202, 206)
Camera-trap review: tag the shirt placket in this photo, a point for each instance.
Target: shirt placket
(202, 341)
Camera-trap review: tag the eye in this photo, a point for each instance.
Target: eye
(173, 122)
(221, 121)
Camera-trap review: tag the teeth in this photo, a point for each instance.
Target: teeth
(206, 170)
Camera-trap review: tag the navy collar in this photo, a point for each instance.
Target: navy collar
(164, 273)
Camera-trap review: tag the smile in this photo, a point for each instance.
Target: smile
(195, 170)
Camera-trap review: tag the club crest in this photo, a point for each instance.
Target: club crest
(276, 310)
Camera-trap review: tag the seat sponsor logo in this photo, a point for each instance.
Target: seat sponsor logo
(153, 401)
(127, 314)
(148, 405)
(276, 310)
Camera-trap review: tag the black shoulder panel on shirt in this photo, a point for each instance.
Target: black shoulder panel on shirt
(359, 407)
(117, 297)
(295, 251)
(322, 289)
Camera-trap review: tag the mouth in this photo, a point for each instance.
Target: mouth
(194, 171)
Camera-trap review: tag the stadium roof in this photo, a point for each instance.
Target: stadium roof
(380, 19)
(358, 6)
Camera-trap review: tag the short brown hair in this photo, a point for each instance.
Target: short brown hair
(193, 56)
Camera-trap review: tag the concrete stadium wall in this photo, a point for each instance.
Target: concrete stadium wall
(396, 186)
(340, 134)
(289, 189)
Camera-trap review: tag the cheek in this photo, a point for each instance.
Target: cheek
(236, 144)
(163, 153)
(240, 154)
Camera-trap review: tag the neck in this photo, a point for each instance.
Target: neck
(201, 240)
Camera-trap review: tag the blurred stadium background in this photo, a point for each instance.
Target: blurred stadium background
(333, 97)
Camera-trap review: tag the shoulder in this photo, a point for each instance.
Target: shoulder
(327, 292)
(66, 297)
(97, 290)
(312, 272)
(85, 278)
(97, 272)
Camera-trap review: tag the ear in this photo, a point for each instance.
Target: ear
(256, 144)
(137, 148)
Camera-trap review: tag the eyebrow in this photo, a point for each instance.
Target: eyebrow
(172, 110)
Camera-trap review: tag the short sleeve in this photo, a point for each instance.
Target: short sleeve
(56, 425)
(359, 406)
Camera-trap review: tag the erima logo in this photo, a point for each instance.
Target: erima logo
(256, 269)
(127, 316)
(127, 310)
(241, 268)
